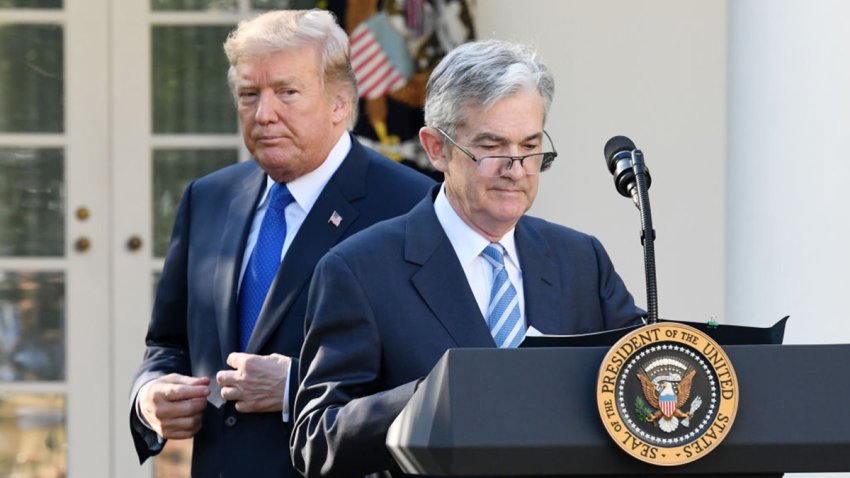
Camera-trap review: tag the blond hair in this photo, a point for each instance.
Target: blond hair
(291, 29)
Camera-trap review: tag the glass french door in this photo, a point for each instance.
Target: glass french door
(173, 120)
(54, 239)
(108, 108)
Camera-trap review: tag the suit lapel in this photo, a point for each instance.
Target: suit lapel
(315, 237)
(441, 281)
(540, 278)
(228, 265)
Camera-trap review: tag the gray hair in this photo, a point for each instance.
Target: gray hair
(292, 29)
(481, 73)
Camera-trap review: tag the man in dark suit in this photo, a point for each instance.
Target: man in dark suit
(464, 268)
(221, 360)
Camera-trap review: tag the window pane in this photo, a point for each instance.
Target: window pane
(33, 440)
(30, 3)
(190, 92)
(281, 4)
(193, 4)
(32, 328)
(173, 169)
(31, 79)
(32, 202)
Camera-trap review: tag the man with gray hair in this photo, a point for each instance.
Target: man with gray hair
(464, 268)
(222, 346)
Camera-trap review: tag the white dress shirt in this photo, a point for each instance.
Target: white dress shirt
(468, 245)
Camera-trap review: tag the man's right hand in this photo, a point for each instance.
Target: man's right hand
(173, 404)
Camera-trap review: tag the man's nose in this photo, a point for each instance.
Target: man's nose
(515, 170)
(267, 111)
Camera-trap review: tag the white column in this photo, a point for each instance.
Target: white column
(788, 224)
(788, 171)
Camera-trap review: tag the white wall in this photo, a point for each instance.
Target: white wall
(789, 134)
(654, 71)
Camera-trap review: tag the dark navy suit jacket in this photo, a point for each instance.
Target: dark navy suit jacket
(194, 323)
(385, 305)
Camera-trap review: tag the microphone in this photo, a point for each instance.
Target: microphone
(620, 154)
(631, 178)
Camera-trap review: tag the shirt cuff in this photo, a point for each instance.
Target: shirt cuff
(141, 417)
(284, 413)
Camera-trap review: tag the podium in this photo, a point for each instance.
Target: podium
(532, 412)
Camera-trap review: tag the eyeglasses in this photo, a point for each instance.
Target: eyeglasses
(493, 166)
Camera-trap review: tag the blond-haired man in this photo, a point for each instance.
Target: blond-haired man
(227, 325)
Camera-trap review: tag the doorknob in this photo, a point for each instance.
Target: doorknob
(82, 244)
(82, 213)
(134, 243)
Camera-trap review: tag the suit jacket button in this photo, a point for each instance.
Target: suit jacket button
(230, 421)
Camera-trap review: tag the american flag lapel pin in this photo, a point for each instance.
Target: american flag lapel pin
(335, 219)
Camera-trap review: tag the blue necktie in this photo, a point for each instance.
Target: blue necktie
(503, 317)
(264, 262)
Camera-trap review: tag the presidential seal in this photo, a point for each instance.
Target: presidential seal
(667, 394)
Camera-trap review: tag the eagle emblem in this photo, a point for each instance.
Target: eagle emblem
(660, 396)
(666, 385)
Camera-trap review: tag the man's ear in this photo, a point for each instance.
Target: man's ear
(341, 107)
(434, 145)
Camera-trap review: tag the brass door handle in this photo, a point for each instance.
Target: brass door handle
(82, 244)
(134, 243)
(82, 213)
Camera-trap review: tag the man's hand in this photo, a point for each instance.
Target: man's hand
(257, 382)
(173, 405)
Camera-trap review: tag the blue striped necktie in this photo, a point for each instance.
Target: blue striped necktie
(264, 262)
(503, 316)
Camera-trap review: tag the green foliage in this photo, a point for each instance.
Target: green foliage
(642, 410)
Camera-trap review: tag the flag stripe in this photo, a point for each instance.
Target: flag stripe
(368, 73)
(357, 36)
(365, 56)
(379, 72)
(383, 87)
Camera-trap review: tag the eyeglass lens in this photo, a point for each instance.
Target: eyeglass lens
(499, 165)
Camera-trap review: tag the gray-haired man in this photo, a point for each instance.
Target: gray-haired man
(464, 268)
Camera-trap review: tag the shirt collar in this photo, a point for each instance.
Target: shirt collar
(306, 189)
(466, 242)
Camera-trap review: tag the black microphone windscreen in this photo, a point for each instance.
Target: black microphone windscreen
(616, 145)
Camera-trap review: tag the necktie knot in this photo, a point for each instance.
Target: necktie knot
(495, 255)
(280, 197)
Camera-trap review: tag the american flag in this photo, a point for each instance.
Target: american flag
(335, 219)
(379, 57)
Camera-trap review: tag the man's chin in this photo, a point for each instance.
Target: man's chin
(509, 199)
(510, 212)
(279, 166)
(272, 158)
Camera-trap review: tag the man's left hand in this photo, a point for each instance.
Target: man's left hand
(256, 382)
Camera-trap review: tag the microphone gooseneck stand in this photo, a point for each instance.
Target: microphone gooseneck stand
(647, 234)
